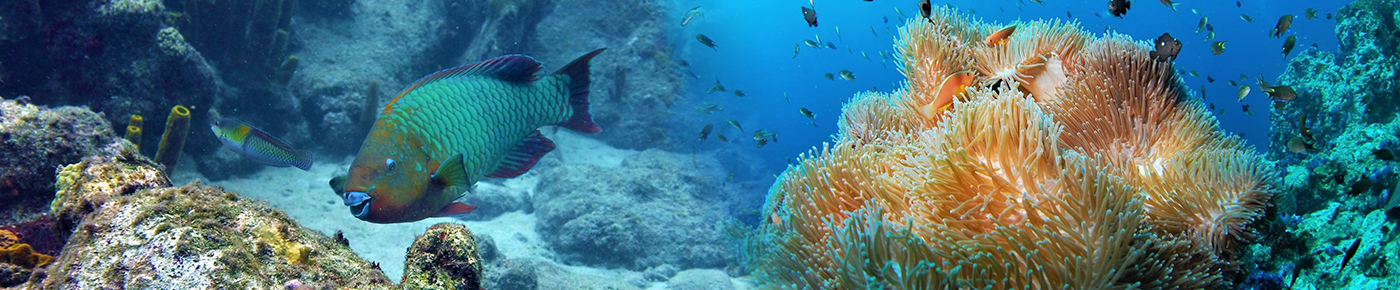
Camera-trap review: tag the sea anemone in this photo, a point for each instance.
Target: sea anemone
(1096, 172)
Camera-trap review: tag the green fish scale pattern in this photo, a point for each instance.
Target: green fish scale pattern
(269, 151)
(480, 117)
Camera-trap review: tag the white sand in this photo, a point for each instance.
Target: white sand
(306, 197)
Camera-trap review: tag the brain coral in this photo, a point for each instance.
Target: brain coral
(1067, 162)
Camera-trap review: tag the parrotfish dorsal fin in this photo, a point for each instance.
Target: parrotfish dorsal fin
(524, 157)
(451, 173)
(513, 68)
(454, 209)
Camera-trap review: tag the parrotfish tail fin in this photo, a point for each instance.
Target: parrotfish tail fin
(451, 173)
(455, 209)
(524, 157)
(302, 159)
(577, 71)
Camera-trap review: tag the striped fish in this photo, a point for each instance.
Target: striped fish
(450, 129)
(258, 146)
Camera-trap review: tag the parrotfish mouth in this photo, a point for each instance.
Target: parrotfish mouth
(358, 201)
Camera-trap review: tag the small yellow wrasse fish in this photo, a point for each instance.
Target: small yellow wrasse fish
(259, 146)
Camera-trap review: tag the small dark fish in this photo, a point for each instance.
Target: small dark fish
(1210, 79)
(683, 63)
(1210, 27)
(1119, 7)
(690, 73)
(1351, 251)
(1288, 44)
(926, 9)
(736, 126)
(1169, 4)
(1245, 109)
(721, 138)
(830, 45)
(1283, 93)
(1282, 26)
(705, 132)
(1194, 73)
(1246, 17)
(806, 113)
(810, 15)
(1167, 48)
(1310, 14)
(812, 44)
(708, 108)
(690, 15)
(739, 93)
(716, 88)
(1329, 16)
(1217, 47)
(830, 76)
(847, 75)
(1202, 25)
(706, 41)
(1237, 3)
(1233, 83)
(795, 48)
(1067, 15)
(887, 19)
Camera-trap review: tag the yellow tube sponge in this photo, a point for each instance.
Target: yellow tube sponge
(177, 127)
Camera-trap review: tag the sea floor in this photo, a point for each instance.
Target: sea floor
(307, 197)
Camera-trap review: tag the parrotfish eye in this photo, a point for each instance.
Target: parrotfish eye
(389, 163)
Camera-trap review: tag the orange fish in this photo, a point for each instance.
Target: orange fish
(951, 86)
(1000, 36)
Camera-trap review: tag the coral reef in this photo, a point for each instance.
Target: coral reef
(114, 56)
(131, 231)
(34, 141)
(444, 257)
(1335, 144)
(1066, 162)
(133, 131)
(655, 208)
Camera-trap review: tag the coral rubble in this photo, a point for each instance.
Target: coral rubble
(36, 140)
(1067, 161)
(444, 257)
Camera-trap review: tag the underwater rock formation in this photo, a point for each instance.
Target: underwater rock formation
(1050, 160)
(443, 257)
(114, 56)
(130, 232)
(654, 209)
(1336, 144)
(635, 82)
(36, 140)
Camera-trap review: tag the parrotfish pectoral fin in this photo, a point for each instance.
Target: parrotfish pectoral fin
(451, 173)
(455, 208)
(524, 157)
(338, 184)
(577, 71)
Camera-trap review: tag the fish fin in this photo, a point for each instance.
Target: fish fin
(524, 156)
(338, 184)
(451, 173)
(513, 68)
(455, 208)
(577, 71)
(302, 159)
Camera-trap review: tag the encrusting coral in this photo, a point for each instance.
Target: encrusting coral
(1066, 162)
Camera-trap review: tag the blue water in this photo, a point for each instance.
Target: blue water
(755, 42)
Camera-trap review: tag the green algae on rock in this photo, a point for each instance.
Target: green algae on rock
(36, 139)
(444, 257)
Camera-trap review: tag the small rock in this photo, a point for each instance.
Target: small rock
(700, 279)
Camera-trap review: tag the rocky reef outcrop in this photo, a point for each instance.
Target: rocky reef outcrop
(1336, 144)
(34, 142)
(655, 208)
(131, 230)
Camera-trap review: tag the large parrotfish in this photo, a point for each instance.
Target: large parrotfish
(450, 129)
